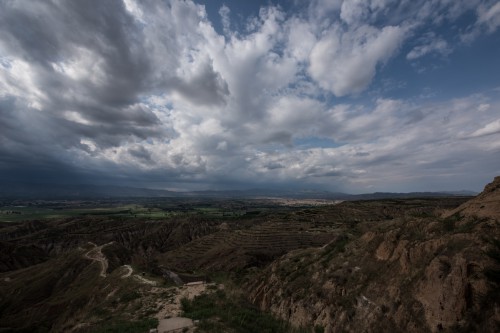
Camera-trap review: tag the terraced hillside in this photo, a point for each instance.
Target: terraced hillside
(256, 242)
(238, 249)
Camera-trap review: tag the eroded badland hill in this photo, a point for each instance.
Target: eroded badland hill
(413, 273)
(403, 265)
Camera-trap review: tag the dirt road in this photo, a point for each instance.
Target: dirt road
(129, 272)
(138, 277)
(173, 324)
(96, 254)
(170, 311)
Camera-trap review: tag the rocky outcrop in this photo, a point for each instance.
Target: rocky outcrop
(413, 286)
(407, 274)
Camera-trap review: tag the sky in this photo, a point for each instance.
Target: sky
(353, 96)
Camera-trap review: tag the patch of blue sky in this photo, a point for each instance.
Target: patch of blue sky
(244, 10)
(5, 62)
(240, 11)
(466, 70)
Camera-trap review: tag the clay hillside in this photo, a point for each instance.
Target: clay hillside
(486, 204)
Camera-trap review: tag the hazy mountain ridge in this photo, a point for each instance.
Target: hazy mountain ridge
(54, 191)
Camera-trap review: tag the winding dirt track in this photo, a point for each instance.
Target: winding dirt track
(138, 277)
(95, 254)
(144, 280)
(129, 269)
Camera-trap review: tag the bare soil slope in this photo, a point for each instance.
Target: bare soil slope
(485, 205)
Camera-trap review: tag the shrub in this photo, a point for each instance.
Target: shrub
(449, 222)
(217, 311)
(127, 326)
(319, 329)
(493, 274)
(128, 297)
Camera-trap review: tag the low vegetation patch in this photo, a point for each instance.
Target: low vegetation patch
(449, 222)
(128, 297)
(122, 326)
(217, 312)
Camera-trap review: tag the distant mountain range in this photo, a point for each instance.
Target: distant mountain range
(312, 194)
(44, 191)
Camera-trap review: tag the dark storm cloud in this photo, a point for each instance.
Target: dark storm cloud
(281, 137)
(206, 88)
(120, 60)
(274, 165)
(30, 35)
(46, 33)
(141, 153)
(322, 171)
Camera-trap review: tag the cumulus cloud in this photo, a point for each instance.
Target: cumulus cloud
(345, 63)
(150, 91)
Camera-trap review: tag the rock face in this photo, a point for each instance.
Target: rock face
(411, 274)
(446, 291)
